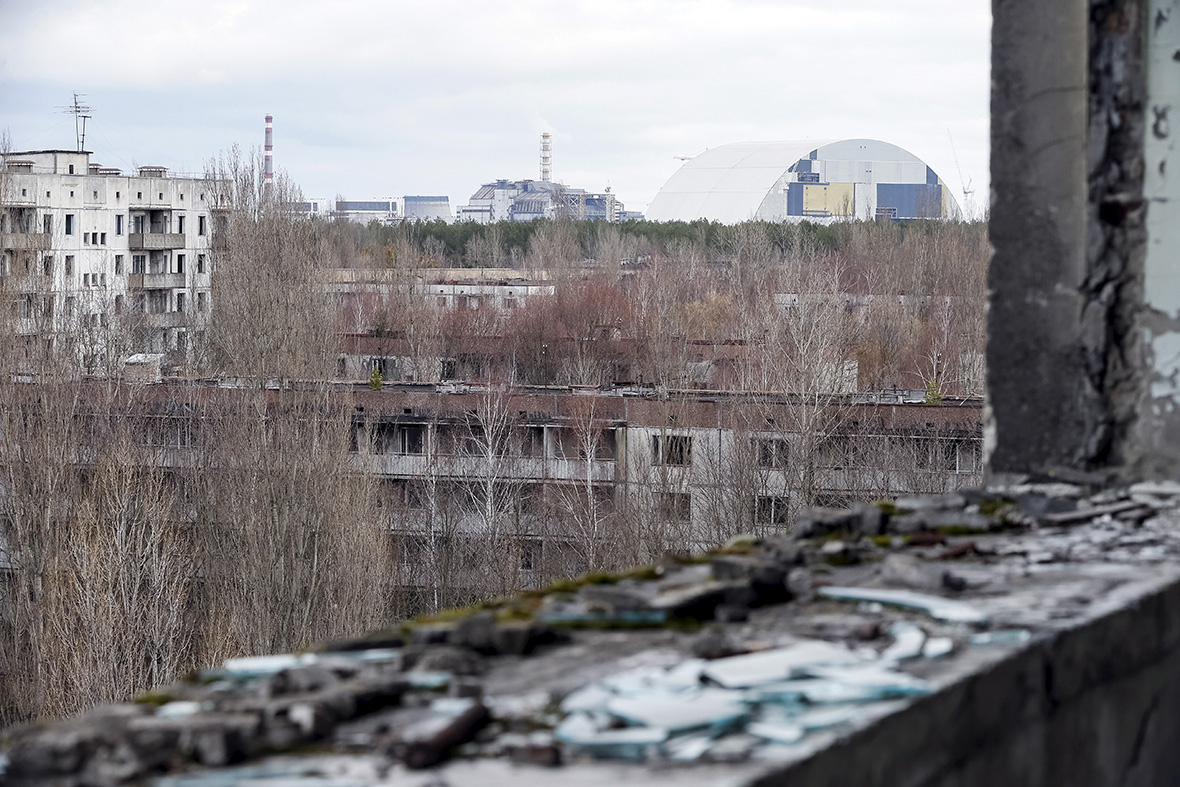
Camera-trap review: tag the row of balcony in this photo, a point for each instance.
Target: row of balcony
(599, 471)
(25, 241)
(155, 241)
(156, 281)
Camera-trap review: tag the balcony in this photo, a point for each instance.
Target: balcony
(155, 241)
(24, 241)
(156, 281)
(168, 319)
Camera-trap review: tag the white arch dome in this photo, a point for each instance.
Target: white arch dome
(808, 179)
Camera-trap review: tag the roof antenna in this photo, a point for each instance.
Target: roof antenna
(81, 114)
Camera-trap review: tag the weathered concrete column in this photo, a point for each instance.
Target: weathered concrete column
(1041, 402)
(1160, 422)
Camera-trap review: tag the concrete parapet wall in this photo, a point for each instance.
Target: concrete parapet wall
(1097, 704)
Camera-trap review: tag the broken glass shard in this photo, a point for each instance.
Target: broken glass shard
(1001, 637)
(935, 606)
(769, 666)
(688, 748)
(937, 647)
(716, 709)
(776, 731)
(908, 640)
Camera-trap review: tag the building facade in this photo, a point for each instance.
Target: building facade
(83, 246)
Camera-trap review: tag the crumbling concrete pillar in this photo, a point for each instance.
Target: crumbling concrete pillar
(1039, 403)
(1084, 326)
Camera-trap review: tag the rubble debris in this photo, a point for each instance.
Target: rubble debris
(756, 659)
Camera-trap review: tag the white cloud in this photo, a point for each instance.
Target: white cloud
(407, 97)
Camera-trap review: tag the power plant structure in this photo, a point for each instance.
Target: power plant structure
(527, 200)
(804, 180)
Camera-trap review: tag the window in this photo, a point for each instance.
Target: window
(180, 263)
(47, 265)
(672, 450)
(138, 220)
(530, 554)
(180, 224)
(71, 195)
(200, 301)
(71, 172)
(119, 224)
(25, 193)
(675, 506)
(772, 453)
(71, 305)
(85, 279)
(118, 194)
(180, 301)
(118, 304)
(104, 279)
(182, 200)
(200, 225)
(85, 238)
(118, 264)
(47, 220)
(139, 195)
(138, 263)
(69, 264)
(161, 195)
(200, 263)
(771, 510)
(69, 224)
(103, 242)
(96, 195)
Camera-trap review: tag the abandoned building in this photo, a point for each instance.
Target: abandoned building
(85, 246)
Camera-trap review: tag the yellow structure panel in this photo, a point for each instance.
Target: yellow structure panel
(831, 199)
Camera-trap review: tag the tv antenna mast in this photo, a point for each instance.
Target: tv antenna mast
(81, 114)
(967, 190)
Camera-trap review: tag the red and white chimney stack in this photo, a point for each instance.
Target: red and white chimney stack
(269, 157)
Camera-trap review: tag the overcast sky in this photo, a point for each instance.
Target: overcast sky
(389, 97)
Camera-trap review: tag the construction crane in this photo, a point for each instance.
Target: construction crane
(967, 190)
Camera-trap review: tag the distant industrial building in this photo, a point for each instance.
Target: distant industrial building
(386, 210)
(526, 200)
(783, 181)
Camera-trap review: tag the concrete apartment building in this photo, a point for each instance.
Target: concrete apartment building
(82, 244)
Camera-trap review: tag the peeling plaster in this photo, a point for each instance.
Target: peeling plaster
(1161, 323)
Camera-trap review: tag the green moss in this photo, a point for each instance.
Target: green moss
(645, 574)
(153, 697)
(738, 545)
(562, 586)
(600, 578)
(887, 507)
(883, 541)
(994, 505)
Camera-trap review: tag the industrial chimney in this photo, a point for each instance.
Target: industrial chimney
(545, 158)
(269, 157)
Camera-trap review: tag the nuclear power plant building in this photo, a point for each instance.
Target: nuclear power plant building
(809, 179)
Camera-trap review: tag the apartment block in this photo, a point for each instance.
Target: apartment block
(82, 245)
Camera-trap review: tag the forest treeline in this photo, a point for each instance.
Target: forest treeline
(682, 304)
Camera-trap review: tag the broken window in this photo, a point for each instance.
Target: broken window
(771, 510)
(772, 453)
(672, 450)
